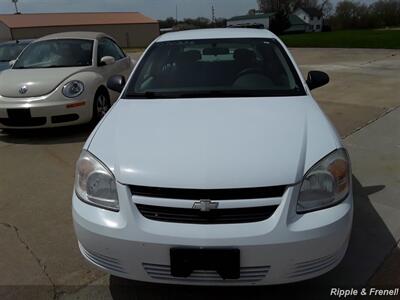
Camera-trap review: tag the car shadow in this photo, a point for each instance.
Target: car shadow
(370, 243)
(47, 136)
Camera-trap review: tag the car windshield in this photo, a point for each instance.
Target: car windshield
(11, 51)
(215, 68)
(56, 54)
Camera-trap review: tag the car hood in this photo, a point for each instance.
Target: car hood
(38, 81)
(4, 65)
(213, 143)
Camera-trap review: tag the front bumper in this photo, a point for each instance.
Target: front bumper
(53, 110)
(285, 248)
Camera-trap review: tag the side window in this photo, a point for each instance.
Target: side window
(120, 54)
(108, 48)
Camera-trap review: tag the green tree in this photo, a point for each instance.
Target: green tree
(280, 22)
(252, 12)
(167, 23)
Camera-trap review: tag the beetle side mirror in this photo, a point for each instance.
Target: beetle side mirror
(116, 83)
(316, 79)
(11, 62)
(107, 60)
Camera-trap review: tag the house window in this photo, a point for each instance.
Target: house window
(317, 27)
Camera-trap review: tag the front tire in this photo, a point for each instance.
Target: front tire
(101, 106)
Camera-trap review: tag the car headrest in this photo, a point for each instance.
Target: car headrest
(244, 55)
(216, 51)
(189, 56)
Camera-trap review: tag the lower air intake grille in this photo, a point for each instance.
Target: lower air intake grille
(107, 262)
(217, 216)
(247, 274)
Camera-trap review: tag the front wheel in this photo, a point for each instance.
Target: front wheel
(101, 106)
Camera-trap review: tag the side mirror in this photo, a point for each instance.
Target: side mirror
(107, 60)
(116, 83)
(317, 79)
(11, 62)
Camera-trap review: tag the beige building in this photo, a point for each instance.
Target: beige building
(130, 29)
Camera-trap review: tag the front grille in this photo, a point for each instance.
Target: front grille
(209, 194)
(217, 216)
(22, 123)
(247, 274)
(22, 118)
(64, 118)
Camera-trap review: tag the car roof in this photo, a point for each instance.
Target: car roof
(222, 33)
(25, 41)
(85, 35)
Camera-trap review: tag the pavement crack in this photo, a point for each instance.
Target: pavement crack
(378, 59)
(385, 113)
(42, 266)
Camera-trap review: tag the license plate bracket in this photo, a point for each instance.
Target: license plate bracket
(20, 114)
(226, 262)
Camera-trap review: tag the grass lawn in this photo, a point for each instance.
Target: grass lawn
(388, 39)
(133, 50)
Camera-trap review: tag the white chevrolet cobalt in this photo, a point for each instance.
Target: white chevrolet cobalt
(215, 167)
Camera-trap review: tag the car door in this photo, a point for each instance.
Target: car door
(122, 66)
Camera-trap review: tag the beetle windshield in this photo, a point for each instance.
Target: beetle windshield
(56, 54)
(215, 68)
(11, 51)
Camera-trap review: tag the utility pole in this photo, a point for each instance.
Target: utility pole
(16, 7)
(213, 14)
(176, 14)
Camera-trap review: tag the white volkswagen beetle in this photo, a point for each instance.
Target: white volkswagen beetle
(60, 80)
(215, 167)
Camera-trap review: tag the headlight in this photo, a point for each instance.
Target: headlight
(94, 183)
(73, 89)
(326, 184)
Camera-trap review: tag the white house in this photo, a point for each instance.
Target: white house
(312, 16)
(251, 20)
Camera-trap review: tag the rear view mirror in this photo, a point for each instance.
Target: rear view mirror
(216, 51)
(116, 83)
(107, 60)
(317, 79)
(11, 62)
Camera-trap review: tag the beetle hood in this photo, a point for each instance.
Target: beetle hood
(213, 143)
(4, 65)
(38, 82)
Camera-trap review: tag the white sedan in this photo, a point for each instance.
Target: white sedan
(216, 167)
(60, 80)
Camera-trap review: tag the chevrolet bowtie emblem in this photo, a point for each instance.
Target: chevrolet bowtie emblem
(205, 205)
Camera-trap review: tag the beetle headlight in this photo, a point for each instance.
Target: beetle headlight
(73, 89)
(94, 183)
(326, 184)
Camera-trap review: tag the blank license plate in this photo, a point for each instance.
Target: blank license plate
(226, 262)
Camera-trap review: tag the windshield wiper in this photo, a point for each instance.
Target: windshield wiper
(52, 66)
(189, 94)
(147, 95)
(217, 94)
(45, 67)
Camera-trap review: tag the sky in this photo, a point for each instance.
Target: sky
(158, 9)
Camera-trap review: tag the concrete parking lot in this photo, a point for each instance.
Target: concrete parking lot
(40, 257)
